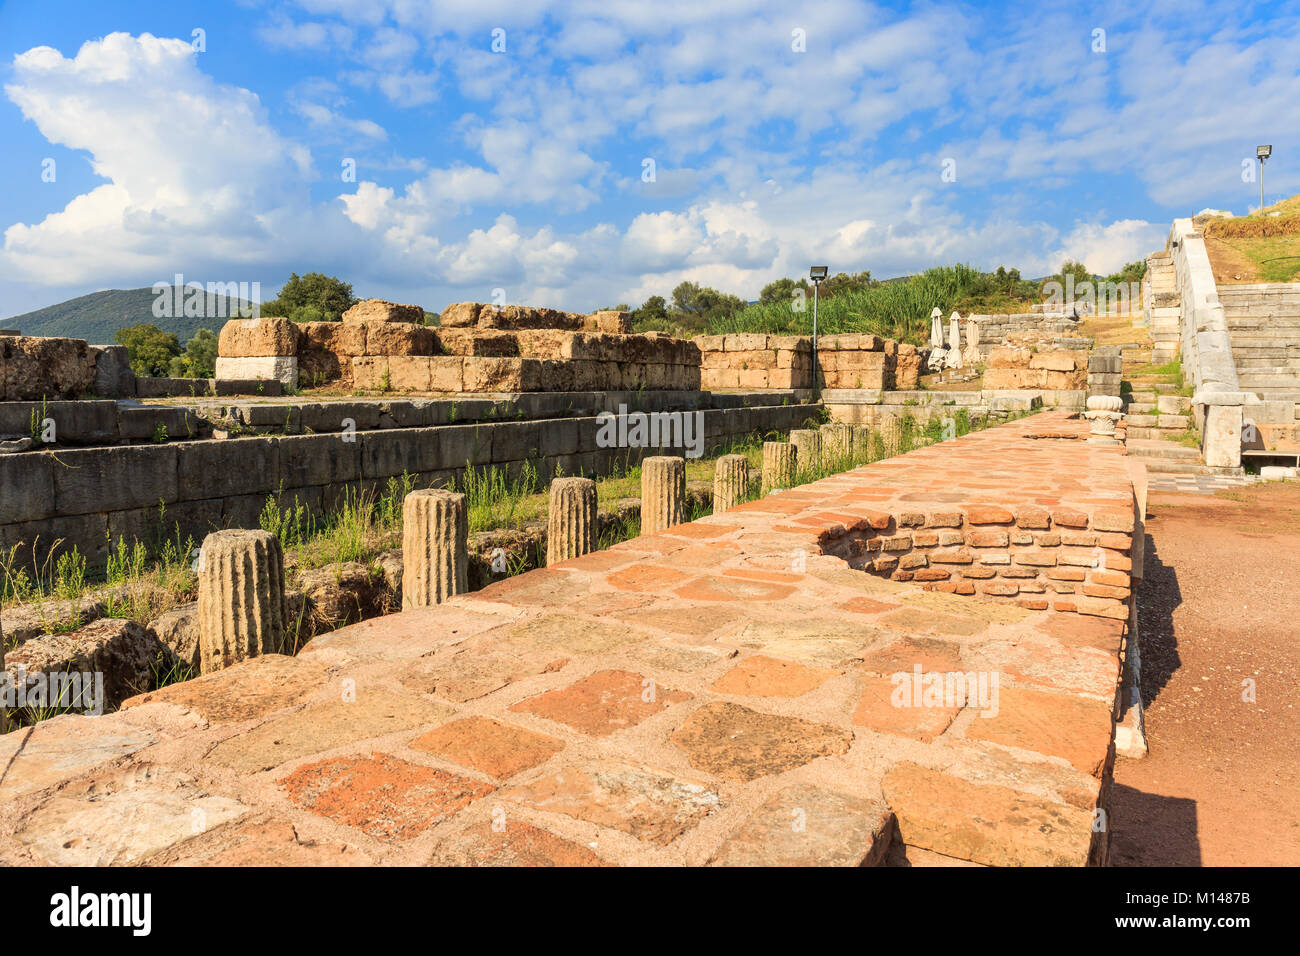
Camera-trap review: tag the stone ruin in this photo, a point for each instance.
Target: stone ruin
(381, 346)
(848, 361)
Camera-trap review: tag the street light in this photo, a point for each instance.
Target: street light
(818, 276)
(1262, 153)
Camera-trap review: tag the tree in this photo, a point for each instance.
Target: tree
(704, 302)
(781, 291)
(655, 309)
(314, 297)
(846, 282)
(199, 360)
(150, 348)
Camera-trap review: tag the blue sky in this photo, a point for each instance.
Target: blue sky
(1064, 133)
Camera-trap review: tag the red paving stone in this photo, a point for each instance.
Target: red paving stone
(668, 700)
(603, 703)
(386, 798)
(489, 746)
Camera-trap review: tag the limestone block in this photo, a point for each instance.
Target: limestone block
(461, 315)
(398, 338)
(1222, 436)
(33, 368)
(571, 526)
(258, 338)
(663, 489)
(283, 369)
(380, 310)
(435, 533)
(241, 598)
(619, 323)
(340, 338)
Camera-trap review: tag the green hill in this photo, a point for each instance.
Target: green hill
(96, 317)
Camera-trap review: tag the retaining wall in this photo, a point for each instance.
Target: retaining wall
(88, 497)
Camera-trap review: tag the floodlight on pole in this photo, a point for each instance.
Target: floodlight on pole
(1262, 153)
(818, 276)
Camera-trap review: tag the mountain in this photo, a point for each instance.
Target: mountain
(97, 316)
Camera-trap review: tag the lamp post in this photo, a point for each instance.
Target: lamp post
(1262, 153)
(818, 275)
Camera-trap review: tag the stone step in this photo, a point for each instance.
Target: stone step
(1141, 408)
(1164, 466)
(1176, 423)
(1250, 381)
(1158, 448)
(1149, 433)
(1173, 405)
(1145, 397)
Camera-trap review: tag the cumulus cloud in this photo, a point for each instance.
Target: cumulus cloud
(188, 163)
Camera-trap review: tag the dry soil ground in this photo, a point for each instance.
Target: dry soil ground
(1220, 605)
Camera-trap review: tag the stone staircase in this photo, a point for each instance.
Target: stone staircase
(1264, 324)
(1156, 415)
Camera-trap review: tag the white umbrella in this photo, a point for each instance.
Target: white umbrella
(954, 341)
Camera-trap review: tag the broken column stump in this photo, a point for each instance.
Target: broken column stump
(780, 462)
(663, 489)
(730, 482)
(837, 442)
(807, 443)
(241, 609)
(435, 559)
(571, 525)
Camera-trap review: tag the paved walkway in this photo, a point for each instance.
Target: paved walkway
(731, 691)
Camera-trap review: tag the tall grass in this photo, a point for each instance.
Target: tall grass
(493, 497)
(896, 310)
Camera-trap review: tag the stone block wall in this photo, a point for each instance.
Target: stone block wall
(1037, 327)
(85, 497)
(749, 360)
(482, 348)
(1160, 307)
(1012, 368)
(850, 361)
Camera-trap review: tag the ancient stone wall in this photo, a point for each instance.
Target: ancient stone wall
(85, 497)
(851, 361)
(1038, 327)
(1012, 368)
(380, 346)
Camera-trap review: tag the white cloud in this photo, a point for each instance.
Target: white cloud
(174, 147)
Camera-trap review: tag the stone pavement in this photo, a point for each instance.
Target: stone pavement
(1199, 484)
(732, 691)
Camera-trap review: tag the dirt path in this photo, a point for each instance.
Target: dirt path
(1220, 604)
